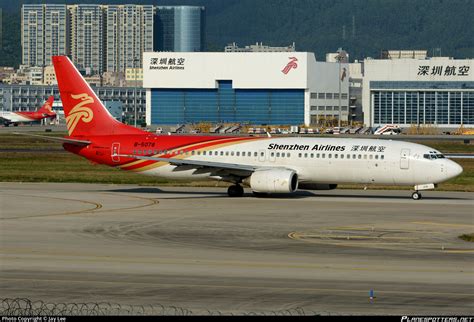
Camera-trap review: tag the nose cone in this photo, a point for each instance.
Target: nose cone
(454, 169)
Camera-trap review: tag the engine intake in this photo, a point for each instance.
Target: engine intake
(274, 181)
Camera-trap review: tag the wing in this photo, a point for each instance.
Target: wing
(241, 170)
(56, 139)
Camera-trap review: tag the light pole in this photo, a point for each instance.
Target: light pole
(135, 94)
(339, 79)
(340, 56)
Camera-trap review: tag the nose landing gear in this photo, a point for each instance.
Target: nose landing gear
(416, 195)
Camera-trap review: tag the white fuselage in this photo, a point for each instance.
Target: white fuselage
(13, 117)
(326, 160)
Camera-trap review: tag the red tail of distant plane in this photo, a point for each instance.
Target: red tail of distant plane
(47, 107)
(85, 114)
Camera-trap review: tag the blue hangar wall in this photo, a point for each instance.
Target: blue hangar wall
(227, 105)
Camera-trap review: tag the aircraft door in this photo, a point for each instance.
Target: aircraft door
(115, 151)
(261, 155)
(405, 159)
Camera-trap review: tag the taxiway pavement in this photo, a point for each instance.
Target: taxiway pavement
(198, 249)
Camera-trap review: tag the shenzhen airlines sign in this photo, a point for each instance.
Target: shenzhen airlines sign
(167, 63)
(279, 70)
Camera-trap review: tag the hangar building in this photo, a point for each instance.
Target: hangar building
(250, 87)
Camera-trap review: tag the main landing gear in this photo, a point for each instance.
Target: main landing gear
(235, 190)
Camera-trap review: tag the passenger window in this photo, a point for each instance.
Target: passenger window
(278, 154)
(255, 154)
(382, 157)
(365, 156)
(329, 156)
(335, 156)
(232, 153)
(193, 152)
(353, 156)
(139, 151)
(312, 155)
(237, 153)
(222, 153)
(272, 154)
(317, 156)
(262, 154)
(370, 157)
(199, 152)
(376, 157)
(299, 155)
(288, 154)
(226, 153)
(323, 155)
(306, 155)
(342, 156)
(359, 156)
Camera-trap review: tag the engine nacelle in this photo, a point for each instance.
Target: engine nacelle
(274, 181)
(317, 186)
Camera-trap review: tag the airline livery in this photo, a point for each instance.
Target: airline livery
(266, 164)
(24, 117)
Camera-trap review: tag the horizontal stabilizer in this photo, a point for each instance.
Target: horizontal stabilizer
(56, 139)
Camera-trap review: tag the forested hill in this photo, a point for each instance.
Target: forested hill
(362, 27)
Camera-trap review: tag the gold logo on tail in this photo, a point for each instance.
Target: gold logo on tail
(79, 112)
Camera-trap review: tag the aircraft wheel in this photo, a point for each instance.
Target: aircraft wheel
(416, 195)
(235, 191)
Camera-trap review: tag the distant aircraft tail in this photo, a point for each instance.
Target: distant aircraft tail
(47, 108)
(85, 114)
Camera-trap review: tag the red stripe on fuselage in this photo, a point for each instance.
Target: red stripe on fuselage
(147, 143)
(34, 116)
(191, 146)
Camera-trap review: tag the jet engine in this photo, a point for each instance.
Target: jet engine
(274, 181)
(317, 186)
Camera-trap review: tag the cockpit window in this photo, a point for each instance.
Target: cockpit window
(433, 156)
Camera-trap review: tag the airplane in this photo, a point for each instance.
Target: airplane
(22, 117)
(267, 164)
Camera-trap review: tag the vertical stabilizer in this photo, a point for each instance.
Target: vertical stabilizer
(85, 114)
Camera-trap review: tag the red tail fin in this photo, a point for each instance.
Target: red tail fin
(85, 114)
(47, 107)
